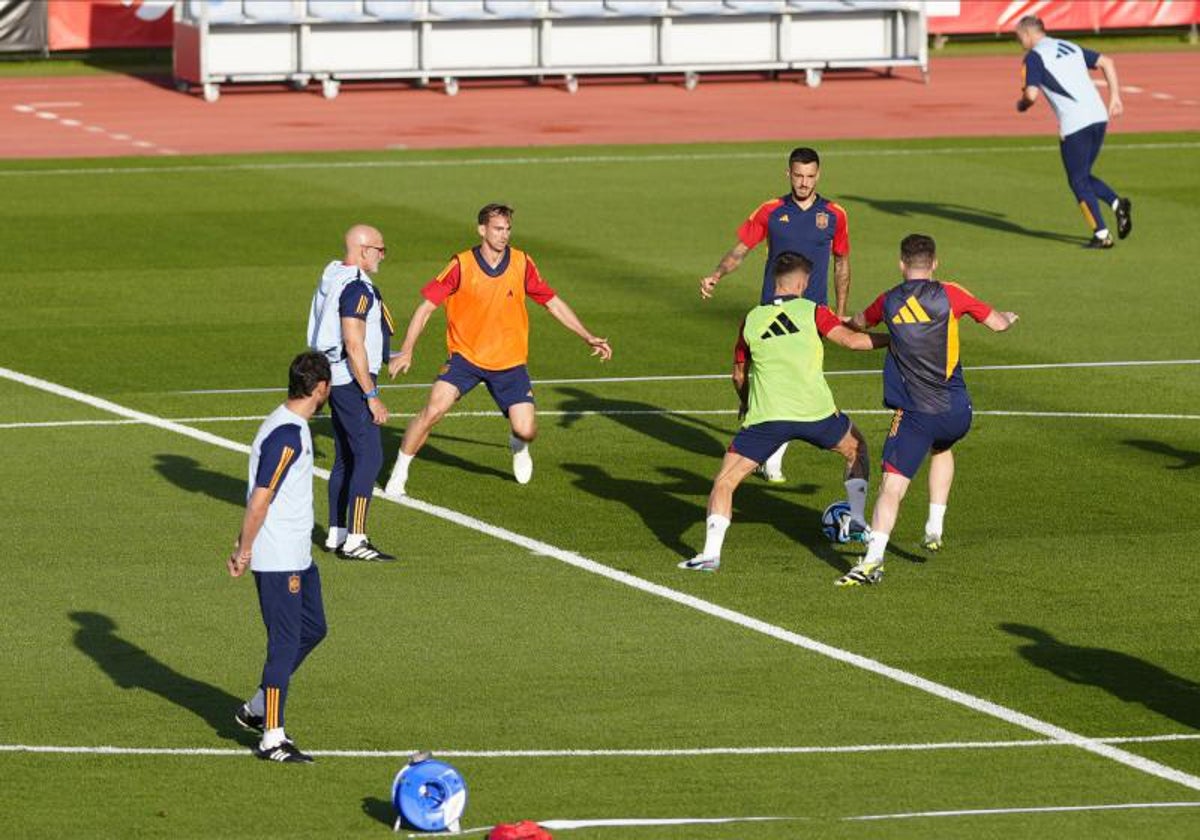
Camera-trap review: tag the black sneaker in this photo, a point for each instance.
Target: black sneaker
(1099, 243)
(286, 752)
(1124, 217)
(364, 551)
(247, 719)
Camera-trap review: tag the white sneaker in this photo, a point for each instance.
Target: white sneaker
(522, 465)
(773, 476)
(395, 485)
(700, 563)
(331, 543)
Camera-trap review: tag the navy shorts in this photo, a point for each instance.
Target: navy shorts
(757, 442)
(508, 387)
(914, 434)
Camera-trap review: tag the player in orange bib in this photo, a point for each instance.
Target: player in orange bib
(487, 334)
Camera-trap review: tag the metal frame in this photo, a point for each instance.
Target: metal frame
(210, 54)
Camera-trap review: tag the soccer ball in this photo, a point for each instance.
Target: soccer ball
(835, 522)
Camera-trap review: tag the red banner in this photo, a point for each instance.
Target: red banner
(86, 24)
(951, 17)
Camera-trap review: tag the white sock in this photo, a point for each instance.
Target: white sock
(400, 471)
(336, 537)
(933, 525)
(258, 703)
(1115, 203)
(714, 534)
(774, 464)
(272, 738)
(353, 541)
(875, 547)
(856, 494)
(1101, 233)
(516, 444)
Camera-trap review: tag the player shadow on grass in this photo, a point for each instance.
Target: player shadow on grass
(131, 667)
(187, 474)
(678, 431)
(1125, 677)
(1187, 458)
(962, 214)
(667, 516)
(431, 453)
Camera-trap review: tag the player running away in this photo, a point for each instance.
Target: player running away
(923, 385)
(778, 371)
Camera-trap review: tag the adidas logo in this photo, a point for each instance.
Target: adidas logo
(1064, 49)
(782, 325)
(911, 313)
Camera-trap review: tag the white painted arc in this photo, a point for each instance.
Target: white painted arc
(680, 412)
(702, 376)
(646, 752)
(1048, 809)
(568, 160)
(578, 561)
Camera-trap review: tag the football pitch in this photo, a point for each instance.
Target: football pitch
(1039, 677)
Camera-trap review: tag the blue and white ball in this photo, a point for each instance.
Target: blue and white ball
(835, 522)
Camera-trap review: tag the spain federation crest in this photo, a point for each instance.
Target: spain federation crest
(294, 584)
(822, 220)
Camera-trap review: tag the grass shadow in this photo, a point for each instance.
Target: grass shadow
(961, 214)
(187, 474)
(1188, 458)
(666, 515)
(678, 431)
(379, 810)
(1125, 677)
(131, 667)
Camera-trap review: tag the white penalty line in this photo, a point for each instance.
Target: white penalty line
(600, 412)
(578, 561)
(691, 377)
(682, 752)
(630, 822)
(434, 163)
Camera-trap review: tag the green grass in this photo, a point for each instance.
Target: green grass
(1065, 591)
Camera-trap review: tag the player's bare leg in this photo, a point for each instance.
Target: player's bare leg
(892, 488)
(523, 419)
(734, 469)
(941, 476)
(853, 447)
(441, 398)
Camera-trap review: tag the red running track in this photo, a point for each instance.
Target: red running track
(101, 116)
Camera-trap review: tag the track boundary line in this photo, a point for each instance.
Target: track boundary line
(600, 412)
(683, 752)
(699, 376)
(432, 163)
(747, 622)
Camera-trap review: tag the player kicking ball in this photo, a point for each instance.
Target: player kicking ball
(923, 384)
(778, 372)
(487, 333)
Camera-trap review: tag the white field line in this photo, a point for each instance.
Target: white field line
(684, 752)
(676, 412)
(566, 160)
(696, 376)
(567, 825)
(1050, 809)
(578, 561)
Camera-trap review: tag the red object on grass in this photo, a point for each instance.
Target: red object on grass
(523, 830)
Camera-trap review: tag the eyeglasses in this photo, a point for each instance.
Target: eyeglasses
(380, 248)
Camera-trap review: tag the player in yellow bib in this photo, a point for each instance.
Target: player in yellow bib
(778, 372)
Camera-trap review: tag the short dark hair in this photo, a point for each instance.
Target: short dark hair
(918, 250)
(308, 370)
(803, 154)
(488, 210)
(789, 262)
(1031, 22)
